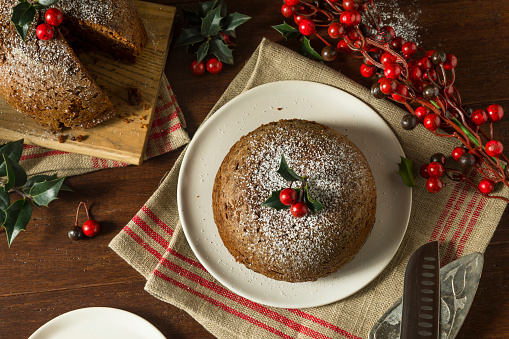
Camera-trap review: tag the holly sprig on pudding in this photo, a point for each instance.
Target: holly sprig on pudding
(298, 200)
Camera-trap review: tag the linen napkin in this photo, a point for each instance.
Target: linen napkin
(153, 242)
(166, 133)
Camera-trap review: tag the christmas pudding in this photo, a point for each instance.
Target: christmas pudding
(304, 242)
(45, 80)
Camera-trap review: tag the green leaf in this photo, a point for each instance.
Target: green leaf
(192, 18)
(313, 205)
(22, 16)
(5, 200)
(220, 49)
(234, 20)
(210, 23)
(47, 2)
(202, 51)
(306, 50)
(406, 171)
(16, 175)
(286, 172)
(13, 150)
(222, 4)
(40, 178)
(287, 31)
(189, 36)
(274, 202)
(44, 192)
(206, 7)
(17, 217)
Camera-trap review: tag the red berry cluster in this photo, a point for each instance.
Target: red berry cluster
(54, 18)
(289, 197)
(213, 66)
(90, 228)
(421, 80)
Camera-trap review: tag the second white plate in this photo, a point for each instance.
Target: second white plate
(286, 100)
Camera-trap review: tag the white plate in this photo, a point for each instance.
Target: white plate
(285, 100)
(97, 323)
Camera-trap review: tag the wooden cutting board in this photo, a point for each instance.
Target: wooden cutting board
(124, 137)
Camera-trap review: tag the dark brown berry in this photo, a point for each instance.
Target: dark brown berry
(467, 160)
(438, 57)
(76, 233)
(376, 92)
(329, 53)
(438, 157)
(409, 122)
(430, 92)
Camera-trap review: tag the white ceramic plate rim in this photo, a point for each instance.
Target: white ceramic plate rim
(98, 323)
(271, 102)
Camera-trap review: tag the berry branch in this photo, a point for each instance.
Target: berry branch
(421, 80)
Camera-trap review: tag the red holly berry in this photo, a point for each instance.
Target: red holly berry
(287, 10)
(350, 5)
(434, 185)
(457, 152)
(288, 196)
(421, 112)
(292, 2)
(392, 71)
(44, 31)
(299, 209)
(343, 47)
(53, 17)
(424, 64)
(408, 49)
(479, 117)
(432, 122)
(352, 34)
(430, 53)
(387, 86)
(414, 72)
(91, 228)
(397, 43)
(367, 71)
(350, 18)
(225, 37)
(486, 186)
(214, 66)
(495, 112)
(336, 30)
(494, 148)
(435, 169)
(198, 68)
(424, 171)
(307, 27)
(387, 58)
(450, 62)
(400, 93)
(449, 91)
(298, 18)
(390, 31)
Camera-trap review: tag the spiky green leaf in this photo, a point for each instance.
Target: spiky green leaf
(206, 7)
(22, 16)
(233, 20)
(210, 23)
(313, 205)
(222, 4)
(17, 217)
(220, 49)
(44, 192)
(287, 31)
(202, 51)
(16, 175)
(13, 150)
(406, 171)
(5, 200)
(189, 36)
(306, 50)
(286, 172)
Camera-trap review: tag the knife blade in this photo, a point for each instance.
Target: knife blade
(421, 294)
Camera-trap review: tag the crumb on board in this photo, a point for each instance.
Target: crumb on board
(145, 107)
(143, 125)
(280, 108)
(134, 95)
(143, 117)
(62, 138)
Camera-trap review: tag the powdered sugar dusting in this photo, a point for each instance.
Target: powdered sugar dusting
(404, 22)
(286, 243)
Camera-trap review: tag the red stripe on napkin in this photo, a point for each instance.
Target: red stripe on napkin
(40, 155)
(470, 227)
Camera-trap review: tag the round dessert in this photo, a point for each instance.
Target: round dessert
(274, 242)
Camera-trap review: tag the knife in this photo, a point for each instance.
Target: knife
(421, 294)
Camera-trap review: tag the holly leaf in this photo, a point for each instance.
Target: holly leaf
(17, 217)
(206, 7)
(5, 200)
(222, 4)
(202, 51)
(233, 20)
(274, 202)
(22, 16)
(406, 171)
(220, 49)
(192, 18)
(189, 36)
(16, 175)
(286, 172)
(40, 178)
(313, 205)
(210, 23)
(44, 192)
(47, 2)
(287, 31)
(13, 150)
(306, 50)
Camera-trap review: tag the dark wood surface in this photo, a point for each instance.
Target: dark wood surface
(44, 274)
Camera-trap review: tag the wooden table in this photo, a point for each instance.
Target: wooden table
(45, 274)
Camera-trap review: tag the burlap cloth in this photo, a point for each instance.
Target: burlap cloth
(154, 244)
